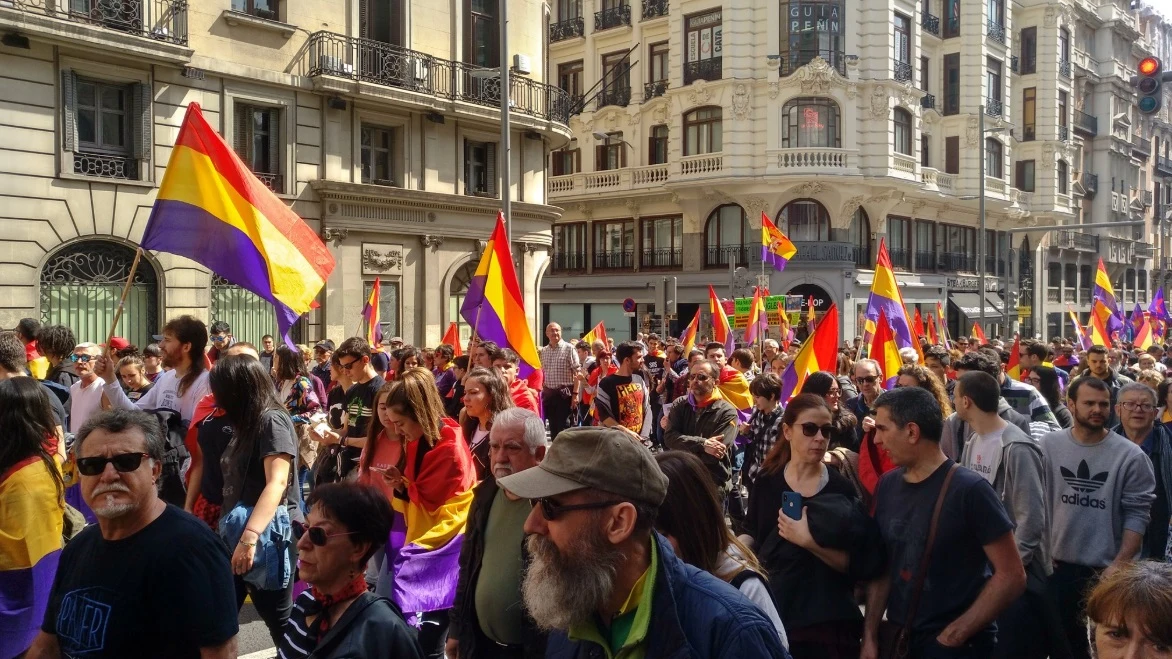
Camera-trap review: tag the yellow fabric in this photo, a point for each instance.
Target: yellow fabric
(736, 391)
(434, 530)
(30, 517)
(38, 368)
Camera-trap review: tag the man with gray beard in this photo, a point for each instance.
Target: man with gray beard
(602, 581)
(122, 590)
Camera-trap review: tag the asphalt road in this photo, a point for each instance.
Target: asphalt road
(253, 641)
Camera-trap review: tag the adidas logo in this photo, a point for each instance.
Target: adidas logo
(1081, 480)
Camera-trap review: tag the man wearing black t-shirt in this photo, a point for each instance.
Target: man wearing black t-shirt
(622, 400)
(353, 358)
(958, 601)
(148, 580)
(655, 364)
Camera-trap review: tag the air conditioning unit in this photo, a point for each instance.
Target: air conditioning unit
(334, 65)
(521, 64)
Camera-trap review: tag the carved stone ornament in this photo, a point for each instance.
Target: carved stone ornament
(755, 206)
(971, 132)
(612, 121)
(931, 117)
(428, 240)
(633, 119)
(740, 101)
(817, 77)
(329, 234)
(810, 189)
(880, 105)
(659, 114)
(1051, 16)
(699, 94)
(851, 207)
(908, 98)
(916, 206)
(774, 89)
(382, 259)
(852, 90)
(1048, 157)
(585, 210)
(675, 198)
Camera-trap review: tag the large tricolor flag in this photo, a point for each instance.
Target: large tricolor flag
(688, 338)
(886, 298)
(370, 315)
(884, 350)
(493, 305)
(721, 332)
(1108, 311)
(758, 325)
(776, 249)
(30, 548)
(213, 210)
(818, 353)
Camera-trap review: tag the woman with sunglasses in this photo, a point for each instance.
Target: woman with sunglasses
(348, 523)
(826, 385)
(259, 467)
(485, 394)
(433, 493)
(1045, 380)
(814, 561)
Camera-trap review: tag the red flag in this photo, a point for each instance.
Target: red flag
(918, 323)
(1013, 366)
(932, 339)
(452, 338)
(979, 335)
(884, 349)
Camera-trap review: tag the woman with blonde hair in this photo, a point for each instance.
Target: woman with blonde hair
(485, 394)
(914, 375)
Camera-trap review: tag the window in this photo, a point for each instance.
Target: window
(805, 220)
(257, 141)
(951, 18)
(1062, 113)
(1063, 44)
(570, 78)
(902, 46)
(952, 155)
(566, 161)
(378, 149)
(611, 154)
(1029, 50)
(702, 131)
(662, 242)
(569, 9)
(702, 34)
(480, 168)
(899, 241)
(388, 305)
(810, 122)
(481, 37)
(994, 157)
(924, 162)
(1029, 114)
(997, 12)
(614, 244)
(259, 8)
(725, 236)
(658, 58)
(1063, 177)
(616, 72)
(859, 235)
(381, 20)
(925, 243)
(924, 73)
(107, 126)
(657, 145)
(103, 117)
(809, 30)
(993, 78)
(569, 246)
(1023, 175)
(952, 83)
(903, 131)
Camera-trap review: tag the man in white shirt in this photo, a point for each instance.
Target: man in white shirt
(85, 395)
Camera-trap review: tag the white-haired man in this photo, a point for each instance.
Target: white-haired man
(870, 385)
(488, 619)
(909, 356)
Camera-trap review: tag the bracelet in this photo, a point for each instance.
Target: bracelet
(248, 529)
(247, 544)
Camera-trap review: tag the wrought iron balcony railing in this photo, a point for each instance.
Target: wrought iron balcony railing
(274, 182)
(105, 165)
(956, 262)
(333, 54)
(654, 8)
(792, 60)
(1064, 68)
(1164, 165)
(567, 29)
(163, 20)
(925, 261)
(613, 17)
(620, 96)
(1014, 63)
(654, 89)
(993, 107)
(928, 102)
(705, 69)
(996, 31)
(1086, 124)
(717, 256)
(572, 262)
(900, 257)
(901, 71)
(663, 257)
(618, 259)
(930, 23)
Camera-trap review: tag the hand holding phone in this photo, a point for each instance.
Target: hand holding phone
(791, 505)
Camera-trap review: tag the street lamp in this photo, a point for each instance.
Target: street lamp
(981, 211)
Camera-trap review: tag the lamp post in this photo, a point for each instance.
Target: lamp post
(981, 268)
(506, 141)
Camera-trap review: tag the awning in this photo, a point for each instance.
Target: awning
(970, 304)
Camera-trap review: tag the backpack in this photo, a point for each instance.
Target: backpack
(175, 456)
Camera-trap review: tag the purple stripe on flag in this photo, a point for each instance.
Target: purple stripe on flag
(24, 595)
(896, 316)
(488, 324)
(425, 580)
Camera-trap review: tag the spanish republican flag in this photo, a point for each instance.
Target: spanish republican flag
(493, 304)
(213, 210)
(374, 329)
(721, 332)
(597, 334)
(776, 249)
(978, 335)
(1143, 338)
(1107, 309)
(452, 338)
(30, 548)
(1013, 366)
(885, 351)
(758, 319)
(818, 353)
(1098, 325)
(1084, 342)
(688, 338)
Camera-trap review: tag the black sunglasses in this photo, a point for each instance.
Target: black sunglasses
(85, 359)
(866, 380)
(123, 463)
(317, 535)
(551, 510)
(811, 429)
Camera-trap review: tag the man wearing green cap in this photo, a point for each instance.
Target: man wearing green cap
(602, 581)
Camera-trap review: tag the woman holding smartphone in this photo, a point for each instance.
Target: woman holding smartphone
(811, 535)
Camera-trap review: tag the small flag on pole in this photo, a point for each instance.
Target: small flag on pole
(370, 316)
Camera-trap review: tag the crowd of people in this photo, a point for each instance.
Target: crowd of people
(644, 499)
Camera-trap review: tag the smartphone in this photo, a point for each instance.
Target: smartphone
(791, 505)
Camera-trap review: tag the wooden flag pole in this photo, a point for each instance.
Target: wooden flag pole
(122, 300)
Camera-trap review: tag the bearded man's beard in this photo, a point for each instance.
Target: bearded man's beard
(564, 588)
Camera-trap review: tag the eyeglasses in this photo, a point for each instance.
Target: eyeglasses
(218, 338)
(123, 463)
(1142, 407)
(699, 377)
(552, 510)
(84, 359)
(317, 535)
(811, 429)
(1034, 381)
(870, 379)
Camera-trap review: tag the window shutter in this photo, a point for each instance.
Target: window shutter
(1019, 175)
(275, 143)
(142, 120)
(242, 117)
(69, 100)
(364, 18)
(490, 168)
(469, 184)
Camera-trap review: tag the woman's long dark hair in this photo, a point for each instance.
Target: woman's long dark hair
(244, 390)
(819, 383)
(27, 420)
(779, 455)
(189, 329)
(1049, 387)
(375, 429)
(494, 385)
(290, 364)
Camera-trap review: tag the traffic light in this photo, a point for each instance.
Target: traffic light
(1147, 84)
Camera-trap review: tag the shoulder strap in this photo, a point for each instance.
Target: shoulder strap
(743, 576)
(925, 561)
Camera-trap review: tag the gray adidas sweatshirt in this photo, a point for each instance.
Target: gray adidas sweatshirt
(1094, 493)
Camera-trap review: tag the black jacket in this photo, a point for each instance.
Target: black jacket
(465, 625)
(372, 626)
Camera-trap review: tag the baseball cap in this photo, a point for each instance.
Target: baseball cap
(325, 344)
(600, 458)
(117, 343)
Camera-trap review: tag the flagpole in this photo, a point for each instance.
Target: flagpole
(122, 300)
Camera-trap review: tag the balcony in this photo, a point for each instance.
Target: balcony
(904, 164)
(993, 107)
(1090, 184)
(994, 266)
(996, 32)
(654, 89)
(162, 20)
(112, 166)
(1054, 295)
(663, 257)
(654, 8)
(925, 261)
(1077, 240)
(1141, 147)
(567, 29)
(274, 182)
(705, 69)
(614, 180)
(369, 61)
(812, 158)
(619, 259)
(1063, 133)
(1085, 124)
(1164, 165)
(792, 60)
(956, 262)
(928, 102)
(1064, 68)
(620, 96)
(562, 262)
(930, 24)
(901, 71)
(900, 257)
(707, 163)
(613, 17)
(1014, 63)
(720, 256)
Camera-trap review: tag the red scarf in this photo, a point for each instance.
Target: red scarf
(323, 601)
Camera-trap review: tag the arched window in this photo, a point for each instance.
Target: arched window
(994, 158)
(727, 229)
(81, 284)
(902, 125)
(702, 131)
(805, 219)
(456, 292)
(1063, 177)
(859, 235)
(810, 122)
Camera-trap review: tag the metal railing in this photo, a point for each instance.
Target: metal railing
(105, 165)
(925, 261)
(1064, 68)
(863, 255)
(900, 257)
(720, 256)
(575, 261)
(928, 102)
(1086, 123)
(614, 260)
(1141, 146)
(662, 257)
(956, 262)
(993, 107)
(620, 96)
(994, 265)
(1063, 133)
(1164, 165)
(274, 182)
(792, 60)
(654, 8)
(1090, 184)
(567, 29)
(996, 31)
(381, 63)
(1014, 63)
(901, 71)
(705, 69)
(930, 23)
(654, 89)
(613, 17)
(163, 20)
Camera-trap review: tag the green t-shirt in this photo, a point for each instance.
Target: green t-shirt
(625, 637)
(498, 586)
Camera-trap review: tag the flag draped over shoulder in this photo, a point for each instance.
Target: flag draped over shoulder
(886, 298)
(776, 249)
(30, 548)
(721, 332)
(1108, 310)
(688, 338)
(493, 304)
(452, 338)
(818, 353)
(370, 315)
(213, 210)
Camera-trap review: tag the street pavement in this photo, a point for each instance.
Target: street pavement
(253, 641)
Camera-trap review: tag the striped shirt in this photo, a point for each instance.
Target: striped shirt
(296, 643)
(559, 363)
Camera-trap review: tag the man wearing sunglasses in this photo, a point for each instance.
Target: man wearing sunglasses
(221, 336)
(148, 579)
(1137, 412)
(870, 385)
(354, 360)
(85, 395)
(603, 580)
(704, 423)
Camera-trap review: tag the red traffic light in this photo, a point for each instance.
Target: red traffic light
(1149, 66)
